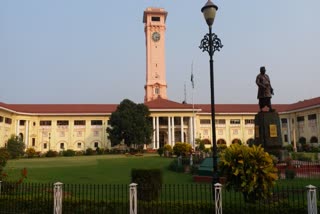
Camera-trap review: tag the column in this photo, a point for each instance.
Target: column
(157, 124)
(191, 131)
(27, 133)
(154, 132)
(172, 131)
(169, 131)
(17, 127)
(181, 126)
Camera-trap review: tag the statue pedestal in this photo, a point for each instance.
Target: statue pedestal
(268, 132)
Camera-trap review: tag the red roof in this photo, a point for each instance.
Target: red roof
(61, 108)
(161, 103)
(153, 105)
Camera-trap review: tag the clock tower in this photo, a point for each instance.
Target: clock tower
(154, 27)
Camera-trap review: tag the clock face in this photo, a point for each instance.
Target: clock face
(156, 36)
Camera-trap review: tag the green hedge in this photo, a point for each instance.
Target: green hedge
(149, 183)
(41, 205)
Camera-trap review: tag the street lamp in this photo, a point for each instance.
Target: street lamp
(211, 43)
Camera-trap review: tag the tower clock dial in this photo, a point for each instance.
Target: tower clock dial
(156, 36)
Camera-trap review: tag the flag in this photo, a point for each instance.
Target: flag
(192, 81)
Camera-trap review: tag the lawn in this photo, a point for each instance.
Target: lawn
(102, 169)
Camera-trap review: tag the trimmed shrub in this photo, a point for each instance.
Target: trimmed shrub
(99, 151)
(51, 153)
(31, 152)
(167, 149)
(69, 153)
(290, 173)
(182, 149)
(90, 151)
(160, 151)
(149, 183)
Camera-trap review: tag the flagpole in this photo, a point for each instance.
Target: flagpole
(193, 117)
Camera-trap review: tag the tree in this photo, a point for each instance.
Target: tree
(4, 156)
(249, 170)
(15, 146)
(130, 123)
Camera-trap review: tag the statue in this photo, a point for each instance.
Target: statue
(265, 91)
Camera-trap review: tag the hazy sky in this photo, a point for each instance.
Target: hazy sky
(93, 51)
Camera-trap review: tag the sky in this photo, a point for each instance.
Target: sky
(93, 51)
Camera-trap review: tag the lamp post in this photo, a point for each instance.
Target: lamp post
(49, 139)
(211, 43)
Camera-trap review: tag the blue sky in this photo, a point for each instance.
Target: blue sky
(81, 51)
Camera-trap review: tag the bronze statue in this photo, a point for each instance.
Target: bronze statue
(265, 91)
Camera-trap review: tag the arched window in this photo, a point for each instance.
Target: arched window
(313, 139)
(221, 142)
(236, 141)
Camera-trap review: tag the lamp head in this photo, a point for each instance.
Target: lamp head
(209, 12)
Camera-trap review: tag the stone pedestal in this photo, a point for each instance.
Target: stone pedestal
(268, 132)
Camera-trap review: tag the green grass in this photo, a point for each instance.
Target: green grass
(104, 169)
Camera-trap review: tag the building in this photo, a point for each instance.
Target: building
(81, 126)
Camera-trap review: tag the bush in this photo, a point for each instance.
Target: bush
(51, 153)
(182, 149)
(69, 153)
(249, 170)
(99, 151)
(90, 151)
(174, 166)
(31, 152)
(160, 151)
(289, 148)
(15, 146)
(167, 149)
(149, 183)
(4, 156)
(290, 173)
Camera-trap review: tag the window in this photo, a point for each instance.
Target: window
(157, 91)
(155, 18)
(45, 145)
(79, 122)
(61, 145)
(284, 120)
(234, 121)
(205, 121)
(221, 121)
(45, 122)
(62, 123)
(22, 122)
(34, 123)
(1, 119)
(79, 145)
(96, 122)
(312, 117)
(285, 138)
(300, 119)
(249, 121)
(33, 141)
(96, 144)
(8, 120)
